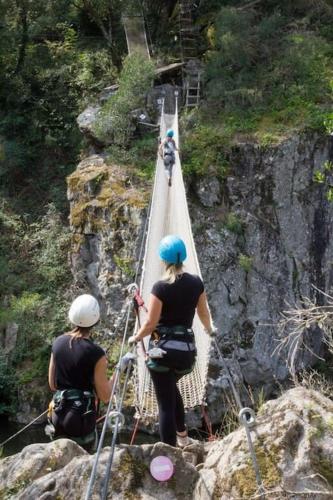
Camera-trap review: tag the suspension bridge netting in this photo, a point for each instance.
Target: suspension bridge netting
(169, 215)
(136, 35)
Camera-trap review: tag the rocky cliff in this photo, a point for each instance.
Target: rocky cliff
(263, 235)
(107, 208)
(293, 442)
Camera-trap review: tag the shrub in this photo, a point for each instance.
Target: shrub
(115, 121)
(203, 148)
(245, 262)
(234, 224)
(271, 65)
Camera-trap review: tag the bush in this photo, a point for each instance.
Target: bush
(271, 65)
(115, 122)
(34, 294)
(7, 387)
(204, 147)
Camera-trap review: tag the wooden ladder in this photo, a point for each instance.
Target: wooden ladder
(187, 31)
(193, 88)
(189, 54)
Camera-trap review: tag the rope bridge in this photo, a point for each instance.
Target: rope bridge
(169, 215)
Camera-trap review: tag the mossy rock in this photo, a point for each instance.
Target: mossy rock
(244, 478)
(99, 193)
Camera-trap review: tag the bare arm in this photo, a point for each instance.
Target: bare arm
(52, 374)
(103, 385)
(154, 313)
(203, 312)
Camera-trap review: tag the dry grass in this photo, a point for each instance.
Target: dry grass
(296, 328)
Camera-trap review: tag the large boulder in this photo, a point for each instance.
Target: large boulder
(106, 216)
(293, 443)
(264, 237)
(52, 471)
(292, 439)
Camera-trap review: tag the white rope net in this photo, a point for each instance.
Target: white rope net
(169, 215)
(136, 35)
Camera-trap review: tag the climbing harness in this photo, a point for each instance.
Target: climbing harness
(72, 412)
(247, 418)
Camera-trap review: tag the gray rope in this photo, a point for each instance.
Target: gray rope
(101, 440)
(115, 434)
(144, 234)
(23, 429)
(247, 419)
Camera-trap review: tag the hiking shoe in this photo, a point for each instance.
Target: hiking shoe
(183, 441)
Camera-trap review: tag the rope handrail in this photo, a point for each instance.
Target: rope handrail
(108, 411)
(23, 429)
(246, 417)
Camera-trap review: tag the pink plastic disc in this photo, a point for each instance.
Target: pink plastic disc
(161, 468)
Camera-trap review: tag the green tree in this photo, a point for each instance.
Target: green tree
(115, 123)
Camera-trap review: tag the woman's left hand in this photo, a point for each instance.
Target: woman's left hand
(132, 340)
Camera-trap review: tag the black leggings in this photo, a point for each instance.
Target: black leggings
(170, 405)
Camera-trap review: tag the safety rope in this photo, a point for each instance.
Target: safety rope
(119, 421)
(23, 429)
(211, 436)
(247, 418)
(138, 302)
(108, 411)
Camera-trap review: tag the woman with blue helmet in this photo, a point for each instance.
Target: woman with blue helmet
(167, 153)
(172, 305)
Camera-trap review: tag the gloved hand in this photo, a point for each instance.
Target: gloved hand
(212, 331)
(132, 340)
(126, 360)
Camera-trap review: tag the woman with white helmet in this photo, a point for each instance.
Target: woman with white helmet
(172, 305)
(78, 373)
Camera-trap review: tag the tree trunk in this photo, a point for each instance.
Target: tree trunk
(24, 40)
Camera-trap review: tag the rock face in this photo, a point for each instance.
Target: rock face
(263, 238)
(106, 217)
(293, 442)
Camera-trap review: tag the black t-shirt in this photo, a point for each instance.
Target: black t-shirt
(74, 366)
(179, 299)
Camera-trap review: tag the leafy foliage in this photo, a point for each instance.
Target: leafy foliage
(325, 177)
(35, 292)
(273, 65)
(116, 121)
(50, 66)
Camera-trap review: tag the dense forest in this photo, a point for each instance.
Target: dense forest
(268, 72)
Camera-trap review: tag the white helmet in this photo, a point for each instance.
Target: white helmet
(84, 311)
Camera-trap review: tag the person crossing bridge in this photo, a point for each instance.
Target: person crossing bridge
(172, 305)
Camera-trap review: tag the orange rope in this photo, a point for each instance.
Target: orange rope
(211, 436)
(135, 430)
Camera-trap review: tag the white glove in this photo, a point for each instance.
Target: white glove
(132, 340)
(126, 361)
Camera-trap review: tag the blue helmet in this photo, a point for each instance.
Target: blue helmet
(172, 249)
(170, 132)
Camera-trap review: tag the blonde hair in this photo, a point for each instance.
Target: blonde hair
(77, 333)
(172, 271)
